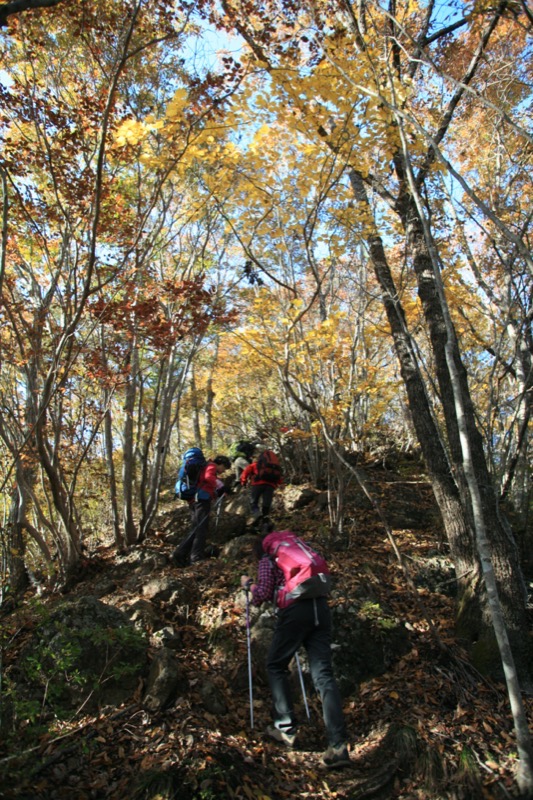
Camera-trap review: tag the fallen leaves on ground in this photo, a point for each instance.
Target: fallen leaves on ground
(463, 744)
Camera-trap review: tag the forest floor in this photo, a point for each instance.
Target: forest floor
(430, 727)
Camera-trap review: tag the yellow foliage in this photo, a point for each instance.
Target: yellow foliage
(130, 132)
(177, 104)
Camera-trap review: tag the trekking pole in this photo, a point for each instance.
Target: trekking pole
(302, 684)
(220, 502)
(217, 506)
(249, 645)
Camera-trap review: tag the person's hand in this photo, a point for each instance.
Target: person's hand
(246, 582)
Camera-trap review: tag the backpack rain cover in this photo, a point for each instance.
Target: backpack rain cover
(189, 473)
(306, 573)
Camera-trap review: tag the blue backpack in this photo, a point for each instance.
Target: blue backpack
(189, 474)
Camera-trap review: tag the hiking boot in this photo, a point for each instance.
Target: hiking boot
(287, 738)
(335, 758)
(179, 560)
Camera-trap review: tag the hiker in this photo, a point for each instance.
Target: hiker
(264, 475)
(241, 454)
(300, 621)
(207, 488)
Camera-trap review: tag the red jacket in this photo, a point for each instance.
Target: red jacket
(207, 481)
(250, 474)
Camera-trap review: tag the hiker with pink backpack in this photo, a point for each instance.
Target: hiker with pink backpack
(297, 580)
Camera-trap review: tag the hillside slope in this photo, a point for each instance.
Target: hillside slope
(422, 723)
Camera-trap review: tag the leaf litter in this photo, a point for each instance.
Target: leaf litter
(430, 727)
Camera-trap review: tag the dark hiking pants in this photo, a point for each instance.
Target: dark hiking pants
(307, 623)
(261, 493)
(194, 543)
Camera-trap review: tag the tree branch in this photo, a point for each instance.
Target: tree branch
(18, 6)
(443, 32)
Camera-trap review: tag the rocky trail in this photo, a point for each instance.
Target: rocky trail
(169, 716)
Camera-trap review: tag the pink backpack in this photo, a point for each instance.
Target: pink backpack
(306, 572)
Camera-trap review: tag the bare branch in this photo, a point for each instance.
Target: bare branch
(18, 6)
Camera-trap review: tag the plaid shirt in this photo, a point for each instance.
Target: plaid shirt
(269, 578)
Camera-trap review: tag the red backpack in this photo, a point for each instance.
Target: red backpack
(306, 572)
(268, 468)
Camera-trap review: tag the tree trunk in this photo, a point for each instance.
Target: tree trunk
(113, 494)
(209, 399)
(18, 575)
(172, 384)
(459, 533)
(128, 465)
(523, 738)
(195, 411)
(517, 473)
(476, 627)
(108, 447)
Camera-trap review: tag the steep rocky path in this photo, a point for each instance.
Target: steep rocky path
(422, 723)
